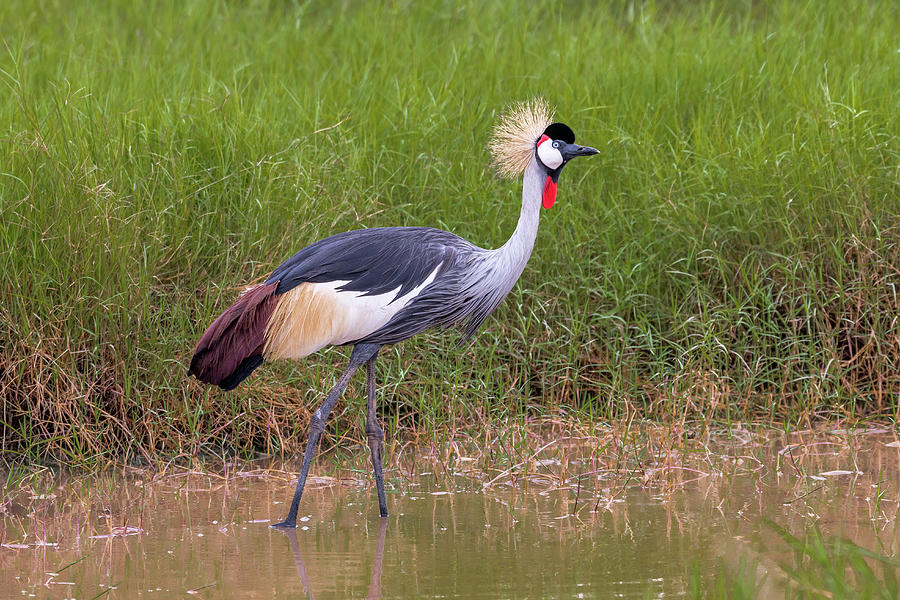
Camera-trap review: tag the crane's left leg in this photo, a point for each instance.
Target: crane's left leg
(375, 437)
(360, 354)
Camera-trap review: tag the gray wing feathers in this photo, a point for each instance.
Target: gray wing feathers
(464, 292)
(372, 261)
(463, 297)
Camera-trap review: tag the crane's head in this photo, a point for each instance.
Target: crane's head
(553, 150)
(526, 133)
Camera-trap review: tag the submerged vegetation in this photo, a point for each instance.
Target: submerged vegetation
(820, 568)
(731, 254)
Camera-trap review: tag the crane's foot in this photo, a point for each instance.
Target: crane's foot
(285, 525)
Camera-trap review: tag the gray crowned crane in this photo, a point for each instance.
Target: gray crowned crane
(373, 287)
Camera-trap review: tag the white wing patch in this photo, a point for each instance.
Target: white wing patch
(314, 315)
(362, 315)
(549, 155)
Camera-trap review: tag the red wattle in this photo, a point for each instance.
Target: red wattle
(549, 196)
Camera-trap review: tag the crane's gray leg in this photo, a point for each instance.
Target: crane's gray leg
(375, 436)
(360, 354)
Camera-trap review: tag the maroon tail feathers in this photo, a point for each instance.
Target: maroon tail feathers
(232, 346)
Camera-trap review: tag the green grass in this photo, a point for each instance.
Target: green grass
(820, 568)
(731, 253)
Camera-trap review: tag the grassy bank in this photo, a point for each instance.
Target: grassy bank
(731, 253)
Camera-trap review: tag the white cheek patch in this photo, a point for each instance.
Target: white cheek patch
(549, 155)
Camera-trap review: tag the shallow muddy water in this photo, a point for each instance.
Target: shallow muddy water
(583, 518)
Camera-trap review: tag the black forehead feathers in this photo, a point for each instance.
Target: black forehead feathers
(560, 131)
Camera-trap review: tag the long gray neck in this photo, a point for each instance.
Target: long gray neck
(495, 272)
(517, 250)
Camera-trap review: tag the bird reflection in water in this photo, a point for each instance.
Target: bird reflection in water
(374, 592)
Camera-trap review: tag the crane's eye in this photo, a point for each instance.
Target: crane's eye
(556, 144)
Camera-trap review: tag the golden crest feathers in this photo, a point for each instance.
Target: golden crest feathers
(513, 139)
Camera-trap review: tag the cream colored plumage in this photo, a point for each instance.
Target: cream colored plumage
(512, 140)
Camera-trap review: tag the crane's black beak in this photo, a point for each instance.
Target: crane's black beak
(572, 150)
(568, 152)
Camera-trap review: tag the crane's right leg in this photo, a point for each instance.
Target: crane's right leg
(375, 435)
(361, 353)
